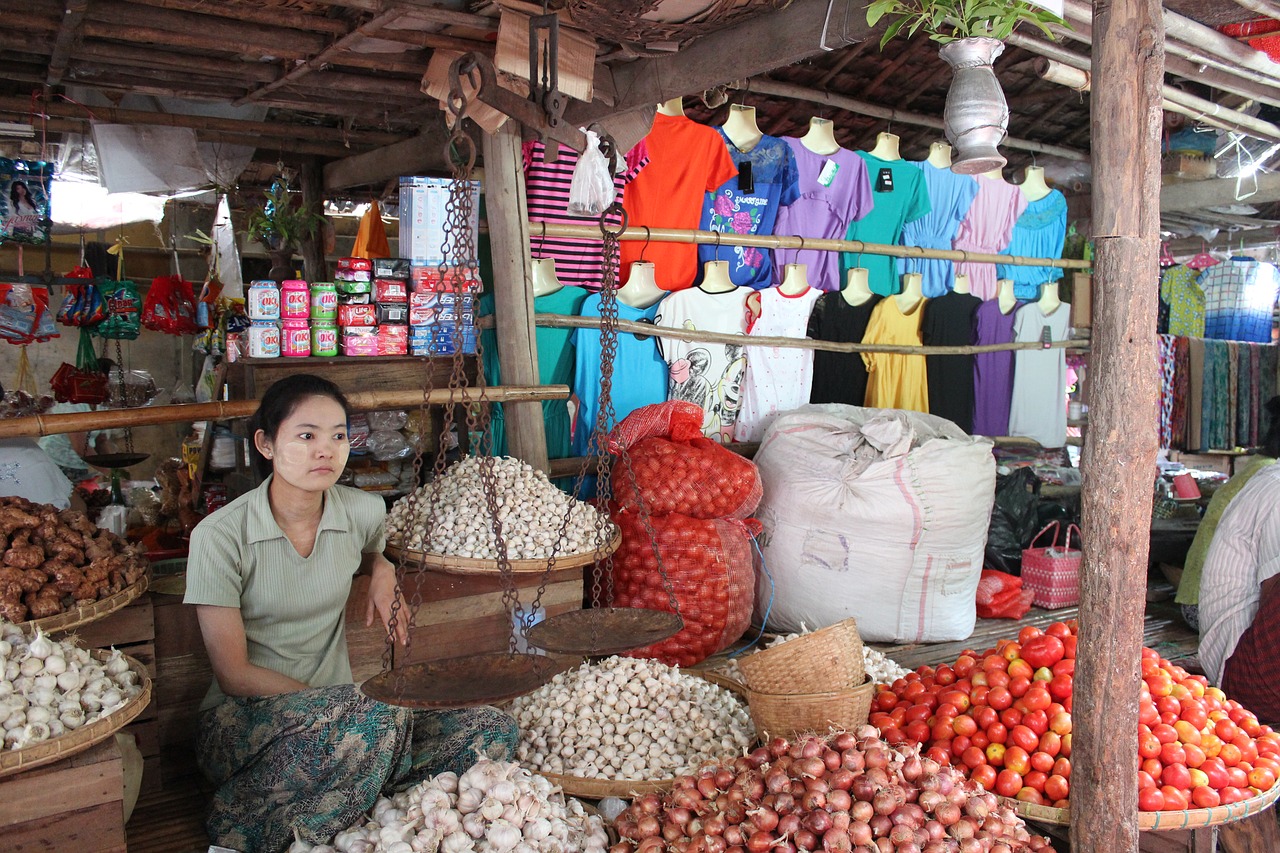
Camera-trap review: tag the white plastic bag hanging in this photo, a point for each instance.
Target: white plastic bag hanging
(592, 189)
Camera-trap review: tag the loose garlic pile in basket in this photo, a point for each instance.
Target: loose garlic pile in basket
(495, 806)
(629, 719)
(530, 508)
(880, 668)
(50, 687)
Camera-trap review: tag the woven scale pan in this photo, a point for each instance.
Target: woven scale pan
(473, 566)
(66, 745)
(1159, 821)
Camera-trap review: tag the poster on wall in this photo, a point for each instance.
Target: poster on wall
(24, 201)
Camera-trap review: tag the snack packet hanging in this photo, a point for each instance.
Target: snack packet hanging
(124, 310)
(24, 201)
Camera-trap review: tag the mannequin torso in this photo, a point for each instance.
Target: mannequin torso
(1049, 299)
(715, 277)
(857, 288)
(940, 155)
(641, 290)
(962, 284)
(672, 107)
(821, 138)
(912, 292)
(795, 280)
(545, 281)
(886, 147)
(1033, 186)
(1004, 295)
(741, 127)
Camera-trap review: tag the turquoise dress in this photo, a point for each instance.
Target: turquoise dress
(1039, 233)
(900, 195)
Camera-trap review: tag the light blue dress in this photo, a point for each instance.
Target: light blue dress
(1039, 233)
(950, 197)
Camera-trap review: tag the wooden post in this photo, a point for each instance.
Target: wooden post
(313, 265)
(507, 213)
(1120, 450)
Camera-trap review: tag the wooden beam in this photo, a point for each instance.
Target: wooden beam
(68, 31)
(317, 61)
(311, 180)
(418, 38)
(244, 13)
(116, 115)
(422, 153)
(247, 72)
(1193, 195)
(753, 47)
(507, 209)
(1120, 449)
(156, 26)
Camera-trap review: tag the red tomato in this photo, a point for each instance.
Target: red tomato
(1008, 783)
(1056, 787)
(1027, 632)
(1173, 753)
(985, 716)
(1231, 794)
(1060, 686)
(1164, 733)
(1018, 685)
(1044, 650)
(1023, 737)
(1176, 775)
(1050, 744)
(998, 733)
(999, 698)
(1021, 668)
(984, 775)
(1262, 778)
(1059, 630)
(995, 755)
(1038, 698)
(1069, 644)
(1145, 781)
(1017, 759)
(964, 725)
(1175, 799)
(964, 665)
(1062, 767)
(1204, 797)
(1060, 723)
(1150, 800)
(960, 743)
(1042, 761)
(1035, 779)
(1037, 721)
(1148, 745)
(1029, 794)
(1011, 717)
(973, 757)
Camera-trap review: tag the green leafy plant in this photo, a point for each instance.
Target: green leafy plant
(281, 224)
(951, 20)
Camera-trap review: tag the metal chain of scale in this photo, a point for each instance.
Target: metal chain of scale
(478, 678)
(606, 629)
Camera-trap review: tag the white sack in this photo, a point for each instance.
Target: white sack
(887, 525)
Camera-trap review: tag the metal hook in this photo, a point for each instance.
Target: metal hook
(717, 233)
(647, 235)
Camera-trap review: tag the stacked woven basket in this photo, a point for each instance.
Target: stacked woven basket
(813, 683)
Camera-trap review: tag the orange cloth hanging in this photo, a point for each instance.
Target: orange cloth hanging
(371, 239)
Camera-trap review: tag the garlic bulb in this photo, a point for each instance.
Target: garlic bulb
(529, 507)
(631, 719)
(880, 668)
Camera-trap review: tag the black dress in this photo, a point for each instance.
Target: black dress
(839, 377)
(948, 321)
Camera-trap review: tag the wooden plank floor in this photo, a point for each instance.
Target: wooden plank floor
(171, 820)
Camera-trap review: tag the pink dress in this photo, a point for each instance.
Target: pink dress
(987, 228)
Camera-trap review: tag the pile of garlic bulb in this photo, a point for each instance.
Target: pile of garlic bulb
(629, 719)
(495, 807)
(530, 508)
(51, 687)
(880, 668)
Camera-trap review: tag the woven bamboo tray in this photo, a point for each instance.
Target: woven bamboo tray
(471, 566)
(83, 615)
(598, 789)
(791, 715)
(64, 746)
(1159, 821)
(824, 661)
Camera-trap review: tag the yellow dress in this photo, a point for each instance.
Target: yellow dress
(895, 381)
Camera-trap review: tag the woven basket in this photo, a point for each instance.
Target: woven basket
(790, 715)
(1162, 821)
(471, 566)
(77, 616)
(64, 746)
(825, 661)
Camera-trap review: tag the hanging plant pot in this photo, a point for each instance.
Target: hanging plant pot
(976, 118)
(281, 264)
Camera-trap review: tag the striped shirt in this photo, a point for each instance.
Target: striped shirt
(578, 261)
(293, 608)
(1244, 553)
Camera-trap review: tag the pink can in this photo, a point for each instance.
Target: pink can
(295, 340)
(295, 300)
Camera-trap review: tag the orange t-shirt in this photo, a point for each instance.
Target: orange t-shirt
(686, 161)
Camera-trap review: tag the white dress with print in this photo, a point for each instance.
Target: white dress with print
(778, 378)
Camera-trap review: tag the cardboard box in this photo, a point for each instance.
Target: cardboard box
(427, 308)
(423, 213)
(439, 340)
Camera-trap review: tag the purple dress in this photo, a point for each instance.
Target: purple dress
(992, 371)
(834, 191)
(987, 228)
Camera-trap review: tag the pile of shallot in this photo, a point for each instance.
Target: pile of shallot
(630, 719)
(495, 807)
(50, 687)
(842, 794)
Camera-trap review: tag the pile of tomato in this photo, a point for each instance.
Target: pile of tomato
(1003, 717)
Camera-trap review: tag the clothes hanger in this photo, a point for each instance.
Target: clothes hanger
(1166, 256)
(1203, 260)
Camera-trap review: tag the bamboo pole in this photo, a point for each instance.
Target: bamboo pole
(568, 321)
(779, 241)
(1120, 447)
(361, 401)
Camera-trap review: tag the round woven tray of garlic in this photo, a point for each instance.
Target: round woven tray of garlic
(531, 509)
(628, 719)
(495, 806)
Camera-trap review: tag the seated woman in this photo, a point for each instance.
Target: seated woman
(289, 740)
(1189, 586)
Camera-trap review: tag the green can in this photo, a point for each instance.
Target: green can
(324, 339)
(324, 302)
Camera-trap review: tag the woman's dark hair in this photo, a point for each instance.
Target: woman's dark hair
(13, 195)
(1271, 442)
(282, 400)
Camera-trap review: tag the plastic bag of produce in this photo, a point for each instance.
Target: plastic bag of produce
(708, 563)
(874, 513)
(678, 469)
(1001, 596)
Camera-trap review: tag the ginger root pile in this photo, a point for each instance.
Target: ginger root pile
(51, 561)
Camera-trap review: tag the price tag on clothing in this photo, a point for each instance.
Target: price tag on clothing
(828, 174)
(746, 182)
(884, 180)
(1046, 336)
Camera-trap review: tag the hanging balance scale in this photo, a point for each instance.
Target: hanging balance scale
(117, 462)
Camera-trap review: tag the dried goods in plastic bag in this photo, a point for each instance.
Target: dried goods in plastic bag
(1001, 596)
(708, 564)
(678, 469)
(591, 189)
